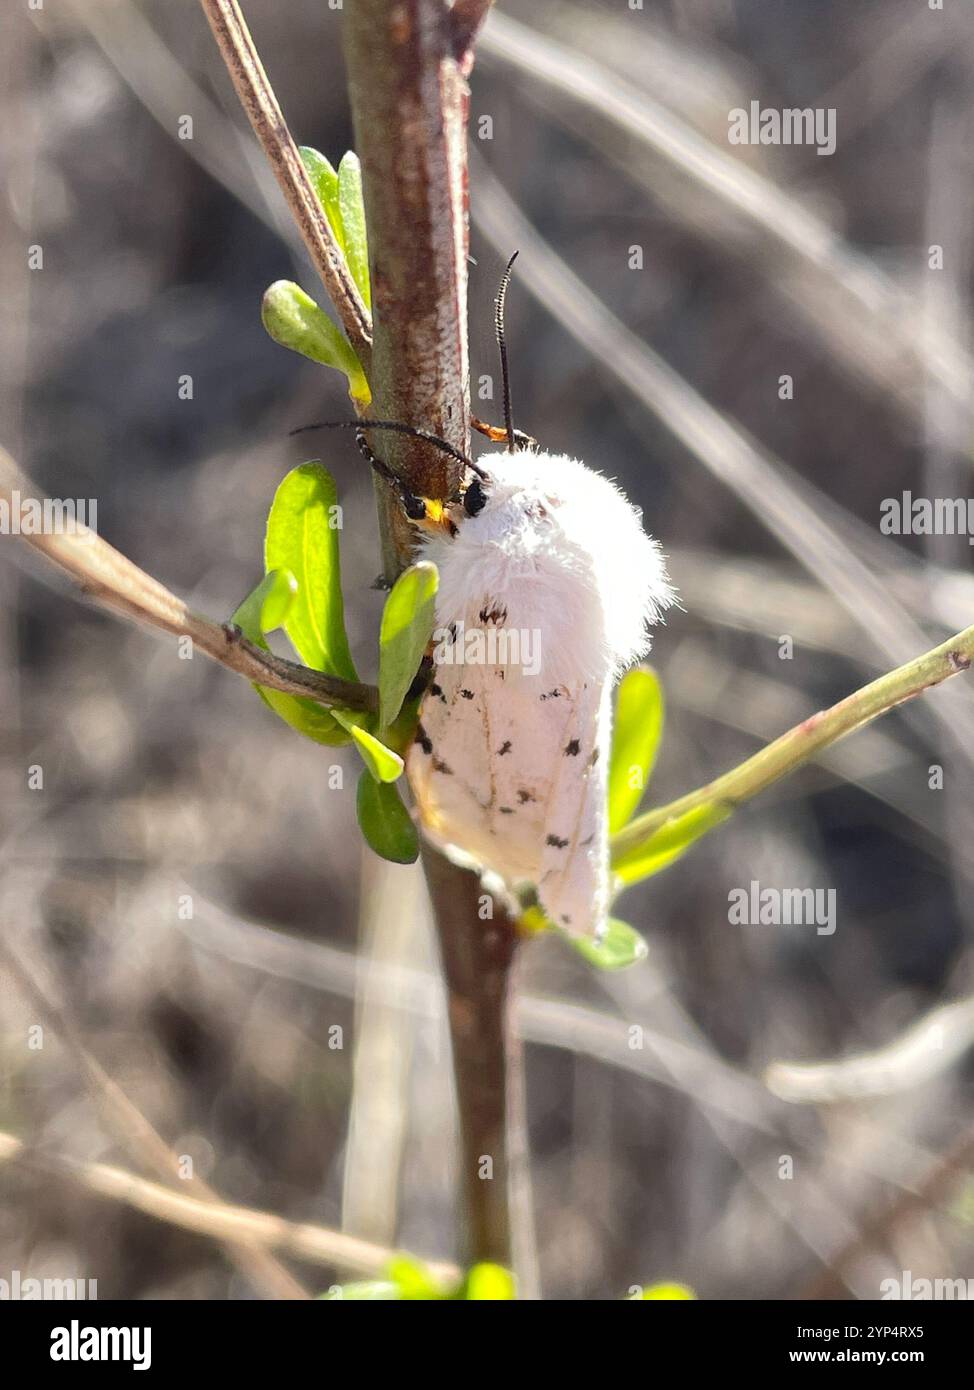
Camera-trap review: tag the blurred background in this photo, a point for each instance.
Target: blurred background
(188, 885)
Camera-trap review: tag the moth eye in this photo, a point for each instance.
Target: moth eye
(474, 499)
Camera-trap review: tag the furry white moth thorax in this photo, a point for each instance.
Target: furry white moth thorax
(545, 597)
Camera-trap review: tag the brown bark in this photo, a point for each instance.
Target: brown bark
(410, 104)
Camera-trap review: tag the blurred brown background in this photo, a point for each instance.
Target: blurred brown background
(164, 778)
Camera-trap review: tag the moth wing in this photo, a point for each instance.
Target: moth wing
(447, 764)
(573, 883)
(481, 767)
(449, 719)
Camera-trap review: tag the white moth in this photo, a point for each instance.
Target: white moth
(547, 584)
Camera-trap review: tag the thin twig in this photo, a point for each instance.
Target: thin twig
(477, 961)
(258, 100)
(160, 82)
(878, 762)
(317, 1244)
(802, 742)
(931, 1190)
(106, 575)
(392, 927)
(928, 1048)
(142, 1141)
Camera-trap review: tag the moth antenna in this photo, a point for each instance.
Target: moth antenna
(502, 349)
(396, 427)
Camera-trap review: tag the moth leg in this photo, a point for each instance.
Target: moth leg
(497, 434)
(414, 507)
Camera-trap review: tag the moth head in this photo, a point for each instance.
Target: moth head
(506, 481)
(475, 493)
(513, 488)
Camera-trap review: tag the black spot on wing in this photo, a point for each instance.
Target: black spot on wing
(494, 613)
(467, 694)
(572, 748)
(440, 766)
(504, 748)
(555, 842)
(525, 796)
(423, 739)
(506, 810)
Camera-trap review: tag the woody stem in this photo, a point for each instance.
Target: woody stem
(805, 740)
(406, 70)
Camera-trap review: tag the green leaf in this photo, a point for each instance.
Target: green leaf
(669, 842)
(302, 544)
(383, 764)
(264, 610)
(620, 946)
(412, 1279)
(407, 622)
(635, 741)
(489, 1282)
(305, 716)
(324, 180)
(386, 824)
(294, 320)
(302, 536)
(352, 210)
(669, 1291)
(409, 1280)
